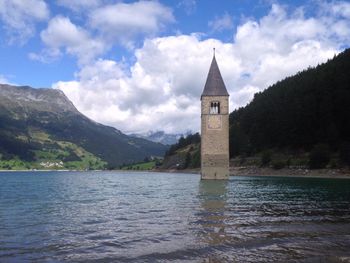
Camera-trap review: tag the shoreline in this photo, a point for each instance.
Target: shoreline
(184, 171)
(339, 173)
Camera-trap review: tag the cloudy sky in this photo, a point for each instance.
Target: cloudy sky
(142, 65)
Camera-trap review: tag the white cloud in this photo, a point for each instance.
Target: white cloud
(62, 35)
(47, 55)
(152, 93)
(244, 95)
(79, 5)
(4, 80)
(188, 5)
(19, 18)
(339, 8)
(123, 22)
(221, 23)
(161, 90)
(107, 26)
(338, 15)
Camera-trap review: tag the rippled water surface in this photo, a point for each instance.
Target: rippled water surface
(160, 217)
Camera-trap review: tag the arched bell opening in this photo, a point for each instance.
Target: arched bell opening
(214, 107)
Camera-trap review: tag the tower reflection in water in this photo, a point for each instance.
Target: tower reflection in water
(213, 198)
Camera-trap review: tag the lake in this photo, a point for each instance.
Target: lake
(169, 217)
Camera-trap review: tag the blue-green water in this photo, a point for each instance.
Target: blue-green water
(160, 217)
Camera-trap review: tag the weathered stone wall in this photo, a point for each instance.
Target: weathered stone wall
(215, 141)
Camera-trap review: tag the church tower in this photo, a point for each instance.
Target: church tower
(214, 126)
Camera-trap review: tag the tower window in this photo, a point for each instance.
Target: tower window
(214, 107)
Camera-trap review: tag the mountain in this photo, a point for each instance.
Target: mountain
(298, 113)
(41, 126)
(161, 137)
(185, 154)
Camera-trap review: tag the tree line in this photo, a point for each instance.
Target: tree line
(299, 113)
(305, 113)
(183, 142)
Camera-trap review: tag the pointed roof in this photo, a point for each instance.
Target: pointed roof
(214, 86)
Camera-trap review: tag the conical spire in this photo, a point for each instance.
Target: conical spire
(214, 86)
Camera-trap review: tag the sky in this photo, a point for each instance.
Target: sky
(141, 65)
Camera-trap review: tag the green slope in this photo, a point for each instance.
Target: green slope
(185, 154)
(42, 125)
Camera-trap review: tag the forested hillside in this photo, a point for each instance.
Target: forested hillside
(298, 113)
(303, 120)
(185, 154)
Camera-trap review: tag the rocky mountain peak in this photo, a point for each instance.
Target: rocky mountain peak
(43, 99)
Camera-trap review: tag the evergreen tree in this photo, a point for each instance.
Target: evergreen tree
(298, 112)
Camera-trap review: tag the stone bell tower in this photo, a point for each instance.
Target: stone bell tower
(214, 126)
